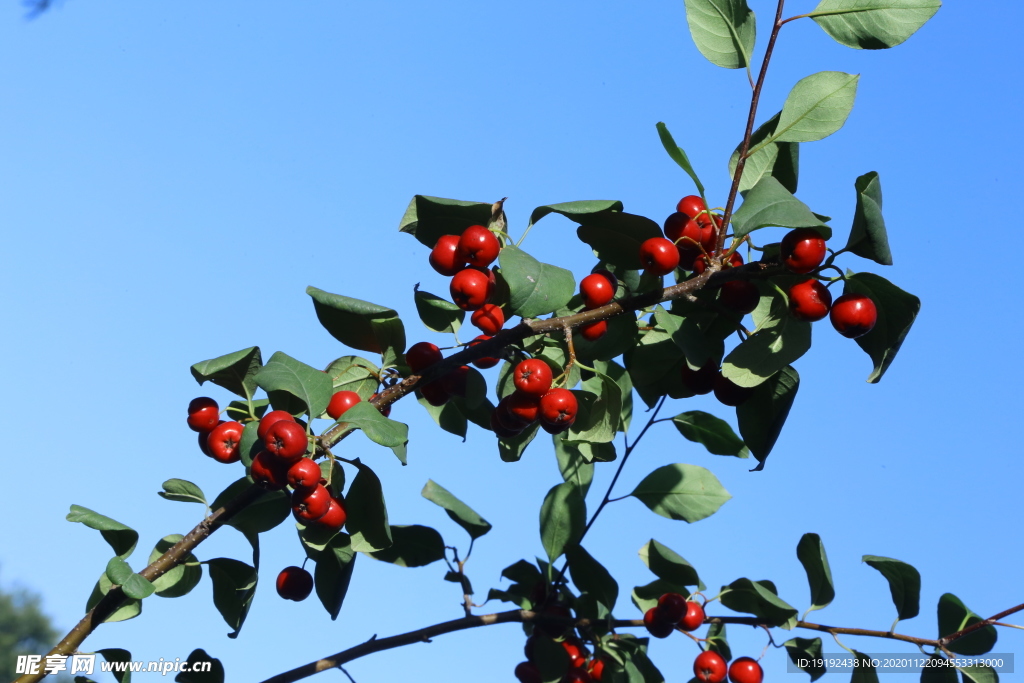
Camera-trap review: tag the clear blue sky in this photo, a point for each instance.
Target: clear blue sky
(173, 175)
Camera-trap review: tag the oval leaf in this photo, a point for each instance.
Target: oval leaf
(333, 573)
(183, 491)
(460, 513)
(723, 30)
(367, 513)
(897, 311)
(359, 324)
(234, 586)
(759, 598)
(234, 371)
(535, 288)
(437, 314)
(685, 492)
(806, 651)
(811, 553)
(904, 584)
(292, 384)
(711, 432)
(427, 218)
(868, 237)
(121, 538)
(769, 203)
(873, 24)
(780, 160)
(563, 515)
(779, 340)
(669, 565)
(182, 578)
(412, 546)
(816, 107)
(953, 617)
(762, 416)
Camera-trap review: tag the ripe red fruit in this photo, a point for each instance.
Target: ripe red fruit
(741, 296)
(558, 407)
(500, 425)
(386, 410)
(471, 288)
(802, 250)
(311, 505)
(693, 618)
(700, 381)
(657, 625)
(268, 471)
(342, 401)
(421, 356)
(444, 257)
(489, 319)
(294, 583)
(577, 676)
(486, 361)
(809, 300)
(557, 429)
(527, 672)
(745, 670)
(596, 669)
(524, 408)
(336, 515)
(672, 607)
(729, 393)
(709, 667)
(287, 440)
(691, 205)
(700, 263)
(596, 290)
(532, 376)
(478, 246)
(594, 331)
(434, 393)
(853, 315)
(686, 233)
(574, 648)
(224, 442)
(268, 420)
(304, 474)
(456, 382)
(203, 414)
(658, 256)
(202, 443)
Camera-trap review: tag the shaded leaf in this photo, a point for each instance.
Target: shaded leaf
(780, 160)
(427, 218)
(811, 553)
(437, 314)
(291, 383)
(873, 24)
(868, 237)
(181, 579)
(954, 616)
(234, 371)
(685, 492)
(897, 311)
(759, 598)
(864, 672)
(234, 586)
(128, 609)
(377, 428)
(904, 584)
(711, 432)
(535, 288)
(333, 573)
(359, 324)
(762, 416)
(183, 491)
(121, 538)
(511, 449)
(723, 30)
(591, 577)
(562, 518)
(196, 673)
(768, 203)
(808, 652)
(412, 546)
(367, 513)
(669, 565)
(460, 513)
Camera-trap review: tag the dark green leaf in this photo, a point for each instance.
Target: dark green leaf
(535, 288)
(562, 518)
(448, 416)
(263, 514)
(897, 311)
(718, 642)
(182, 578)
(510, 450)
(239, 410)
(183, 491)
(669, 565)
(289, 382)
(118, 571)
(939, 673)
(873, 24)
(522, 572)
(121, 538)
(251, 443)
(762, 416)
(412, 546)
(600, 422)
(711, 432)
(759, 598)
(427, 218)
(460, 513)
(137, 587)
(904, 584)
(234, 586)
(367, 512)
(768, 203)
(678, 155)
(379, 429)
(685, 492)
(359, 324)
(780, 160)
(576, 211)
(864, 672)
(687, 335)
(816, 107)
(723, 30)
(575, 468)
(591, 577)
(616, 236)
(868, 237)
(128, 610)
(115, 654)
(334, 572)
(646, 597)
(352, 373)
(811, 553)
(954, 617)
(235, 371)
(806, 651)
(654, 368)
(197, 673)
(978, 674)
(437, 314)
(551, 659)
(620, 337)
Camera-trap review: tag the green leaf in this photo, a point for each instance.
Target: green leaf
(235, 371)
(359, 324)
(460, 513)
(868, 237)
(562, 518)
(182, 491)
(535, 288)
(128, 609)
(616, 236)
(379, 429)
(617, 373)
(816, 107)
(807, 650)
(333, 573)
(412, 546)
(759, 598)
(448, 416)
(762, 416)
(116, 654)
(779, 341)
(576, 211)
(687, 335)
(437, 314)
(953, 617)
(685, 492)
(591, 577)
(367, 512)
(669, 565)
(811, 553)
(897, 311)
(711, 432)
(292, 384)
(551, 659)
(655, 368)
(352, 373)
(939, 673)
(263, 514)
(198, 674)
(510, 450)
(239, 410)
(620, 337)
(427, 218)
(137, 587)
(234, 586)
(873, 24)
(572, 464)
(779, 160)
(118, 570)
(717, 641)
(904, 584)
(770, 204)
(723, 30)
(978, 674)
(181, 579)
(598, 418)
(251, 443)
(121, 538)
(678, 155)
(864, 672)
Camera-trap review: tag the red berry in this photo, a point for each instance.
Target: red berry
(596, 290)
(693, 618)
(700, 381)
(596, 669)
(267, 421)
(489, 319)
(486, 361)
(802, 250)
(342, 401)
(686, 233)
(853, 315)
(658, 256)
(532, 376)
(386, 410)
(574, 648)
(500, 426)
(577, 676)
(434, 393)
(456, 382)
(691, 205)
(672, 607)
(202, 443)
(311, 505)
(268, 471)
(336, 515)
(478, 246)
(594, 331)
(523, 407)
(558, 407)
(729, 393)
(741, 296)
(444, 258)
(224, 442)
(471, 288)
(203, 414)
(294, 583)
(709, 667)
(558, 428)
(527, 672)
(421, 356)
(657, 625)
(809, 300)
(304, 474)
(287, 440)
(745, 670)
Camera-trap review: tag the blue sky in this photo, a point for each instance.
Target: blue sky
(172, 177)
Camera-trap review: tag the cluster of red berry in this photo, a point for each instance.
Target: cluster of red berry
(597, 289)
(582, 669)
(421, 356)
(218, 438)
(466, 259)
(533, 400)
(710, 667)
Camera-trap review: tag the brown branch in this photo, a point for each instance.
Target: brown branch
(979, 625)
